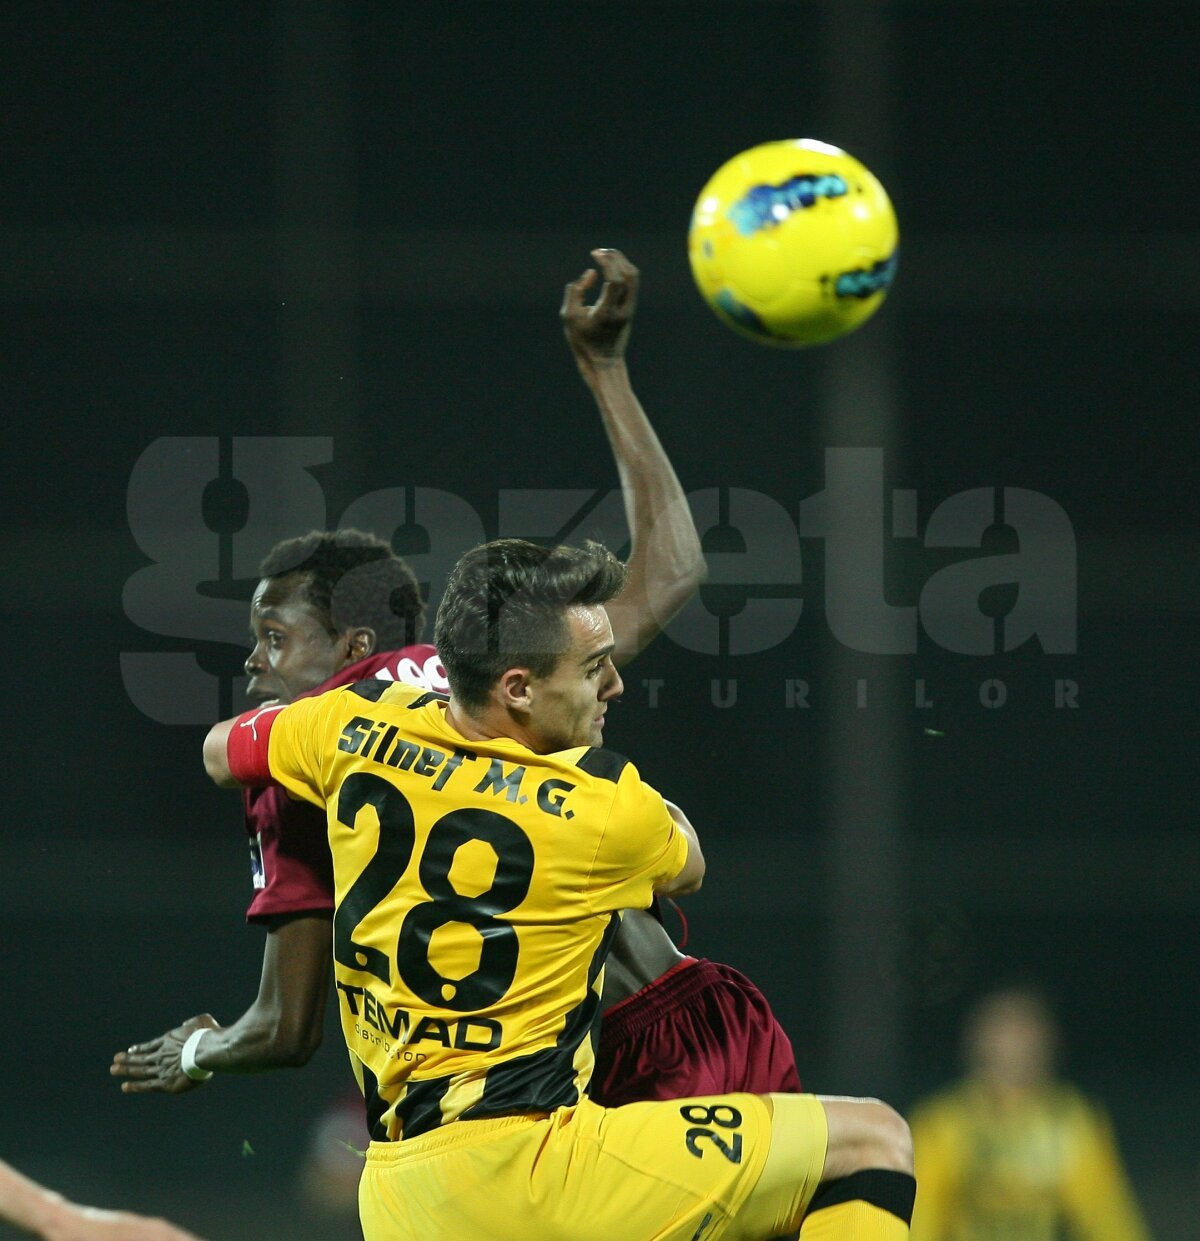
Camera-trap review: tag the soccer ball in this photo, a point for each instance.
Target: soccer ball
(793, 243)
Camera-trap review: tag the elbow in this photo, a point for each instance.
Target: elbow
(265, 1042)
(690, 886)
(296, 1057)
(691, 878)
(690, 574)
(216, 761)
(696, 881)
(293, 1045)
(676, 589)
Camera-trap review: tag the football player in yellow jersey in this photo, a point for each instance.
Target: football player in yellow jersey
(484, 847)
(303, 643)
(674, 1025)
(1012, 1153)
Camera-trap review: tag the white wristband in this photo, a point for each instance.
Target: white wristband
(187, 1057)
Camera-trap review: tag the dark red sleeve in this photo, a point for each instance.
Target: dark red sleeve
(247, 745)
(291, 865)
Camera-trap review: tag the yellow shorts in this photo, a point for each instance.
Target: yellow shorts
(685, 1170)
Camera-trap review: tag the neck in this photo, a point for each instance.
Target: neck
(485, 724)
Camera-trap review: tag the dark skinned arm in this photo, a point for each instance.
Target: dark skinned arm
(281, 1029)
(666, 565)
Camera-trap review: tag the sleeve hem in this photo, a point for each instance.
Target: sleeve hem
(247, 748)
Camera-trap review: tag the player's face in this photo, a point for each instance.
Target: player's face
(567, 707)
(1012, 1043)
(295, 648)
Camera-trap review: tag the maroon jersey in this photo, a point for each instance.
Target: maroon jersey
(701, 1028)
(290, 864)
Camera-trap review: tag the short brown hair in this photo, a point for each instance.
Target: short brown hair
(505, 604)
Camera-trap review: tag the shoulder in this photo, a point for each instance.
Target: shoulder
(603, 764)
(944, 1107)
(608, 779)
(357, 705)
(1077, 1108)
(378, 690)
(610, 776)
(417, 665)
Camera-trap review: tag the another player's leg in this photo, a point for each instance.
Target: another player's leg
(867, 1187)
(864, 1189)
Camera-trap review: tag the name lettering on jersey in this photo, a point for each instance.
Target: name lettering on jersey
(374, 740)
(550, 797)
(465, 1033)
(550, 793)
(378, 742)
(496, 782)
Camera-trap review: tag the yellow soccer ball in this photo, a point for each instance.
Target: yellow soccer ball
(793, 243)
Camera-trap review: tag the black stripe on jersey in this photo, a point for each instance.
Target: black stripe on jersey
(426, 698)
(372, 690)
(606, 943)
(545, 1079)
(604, 948)
(539, 1082)
(603, 764)
(421, 1108)
(377, 1105)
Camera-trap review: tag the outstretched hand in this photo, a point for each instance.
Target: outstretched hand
(153, 1067)
(599, 332)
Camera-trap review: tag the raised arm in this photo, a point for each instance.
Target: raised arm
(666, 565)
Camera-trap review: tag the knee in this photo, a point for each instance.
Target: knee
(887, 1140)
(864, 1134)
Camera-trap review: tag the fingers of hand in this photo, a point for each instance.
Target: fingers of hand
(141, 1087)
(616, 267)
(620, 284)
(574, 292)
(133, 1066)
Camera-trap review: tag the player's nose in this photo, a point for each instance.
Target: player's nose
(615, 688)
(254, 664)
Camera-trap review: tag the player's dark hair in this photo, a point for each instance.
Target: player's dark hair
(505, 607)
(353, 579)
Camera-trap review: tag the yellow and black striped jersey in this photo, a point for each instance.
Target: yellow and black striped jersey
(478, 887)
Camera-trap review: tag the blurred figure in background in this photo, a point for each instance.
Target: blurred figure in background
(1011, 1153)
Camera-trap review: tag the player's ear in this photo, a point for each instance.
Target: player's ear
(513, 689)
(359, 642)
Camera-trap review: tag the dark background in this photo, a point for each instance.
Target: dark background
(354, 221)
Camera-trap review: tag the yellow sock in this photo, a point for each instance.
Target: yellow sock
(874, 1205)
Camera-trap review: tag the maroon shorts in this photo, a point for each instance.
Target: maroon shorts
(702, 1028)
